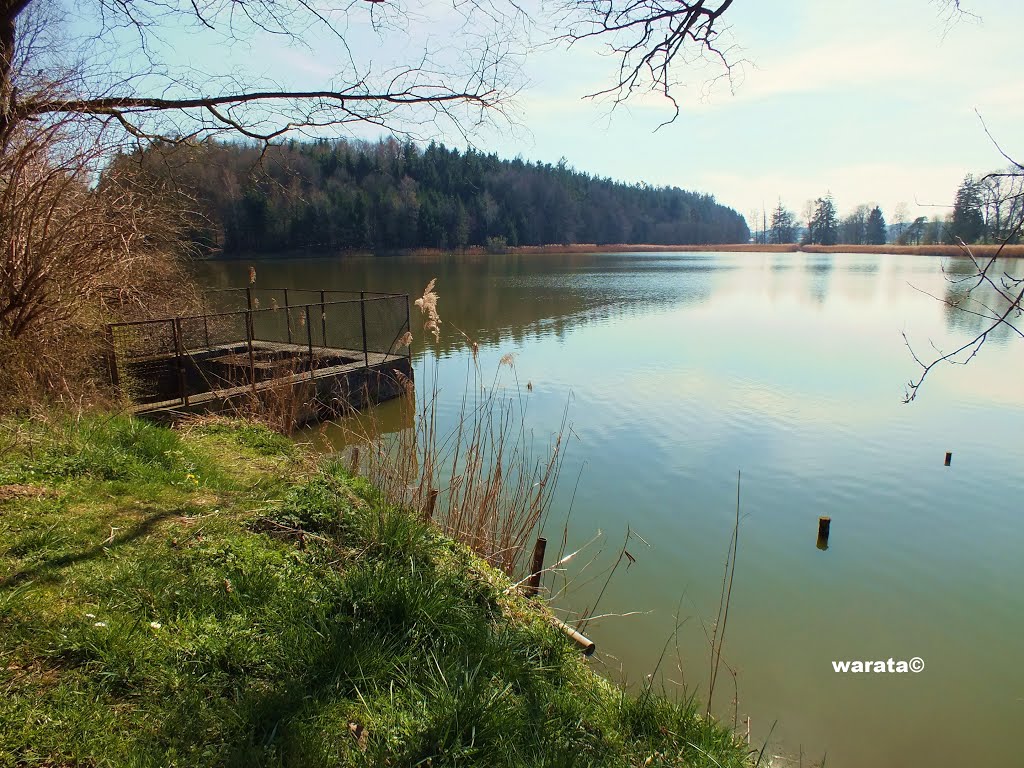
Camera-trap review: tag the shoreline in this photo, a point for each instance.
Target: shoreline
(981, 250)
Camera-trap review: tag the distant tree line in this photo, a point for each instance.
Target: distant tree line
(343, 194)
(985, 210)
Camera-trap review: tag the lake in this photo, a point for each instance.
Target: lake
(679, 369)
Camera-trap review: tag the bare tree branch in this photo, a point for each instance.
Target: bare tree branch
(649, 37)
(967, 351)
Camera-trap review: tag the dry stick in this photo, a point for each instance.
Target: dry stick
(764, 746)
(353, 467)
(582, 625)
(428, 513)
(723, 604)
(661, 658)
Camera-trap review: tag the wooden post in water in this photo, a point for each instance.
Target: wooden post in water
(533, 583)
(824, 524)
(353, 467)
(949, 458)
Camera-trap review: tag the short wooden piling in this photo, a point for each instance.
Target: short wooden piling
(428, 513)
(533, 583)
(824, 523)
(353, 467)
(949, 458)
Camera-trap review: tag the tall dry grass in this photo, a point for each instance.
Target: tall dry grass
(483, 481)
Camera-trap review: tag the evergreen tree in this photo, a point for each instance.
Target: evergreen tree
(783, 225)
(875, 227)
(824, 225)
(968, 223)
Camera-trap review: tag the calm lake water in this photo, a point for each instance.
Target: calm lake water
(679, 370)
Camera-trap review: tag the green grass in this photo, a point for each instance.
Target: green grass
(215, 598)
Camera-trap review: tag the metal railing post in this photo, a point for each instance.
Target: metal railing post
(288, 315)
(408, 324)
(309, 340)
(323, 320)
(362, 316)
(179, 359)
(206, 329)
(248, 341)
(115, 378)
(248, 298)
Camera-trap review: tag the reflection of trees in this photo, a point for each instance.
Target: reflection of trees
(495, 299)
(818, 267)
(983, 297)
(968, 307)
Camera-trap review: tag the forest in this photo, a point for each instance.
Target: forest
(986, 209)
(389, 195)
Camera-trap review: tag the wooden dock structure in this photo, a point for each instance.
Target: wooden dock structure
(231, 362)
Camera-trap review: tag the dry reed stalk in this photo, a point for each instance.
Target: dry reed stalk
(728, 576)
(281, 406)
(493, 490)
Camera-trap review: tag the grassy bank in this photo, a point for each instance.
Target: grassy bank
(214, 596)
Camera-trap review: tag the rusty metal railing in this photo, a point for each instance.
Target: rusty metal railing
(174, 359)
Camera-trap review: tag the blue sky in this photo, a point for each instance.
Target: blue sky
(872, 102)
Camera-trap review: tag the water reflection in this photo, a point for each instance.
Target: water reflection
(384, 419)
(819, 269)
(970, 304)
(502, 298)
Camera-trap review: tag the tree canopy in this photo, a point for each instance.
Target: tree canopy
(386, 195)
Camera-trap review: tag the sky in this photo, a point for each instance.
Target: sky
(874, 101)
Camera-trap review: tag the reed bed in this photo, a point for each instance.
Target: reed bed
(986, 250)
(483, 481)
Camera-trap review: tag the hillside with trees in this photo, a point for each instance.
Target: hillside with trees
(338, 195)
